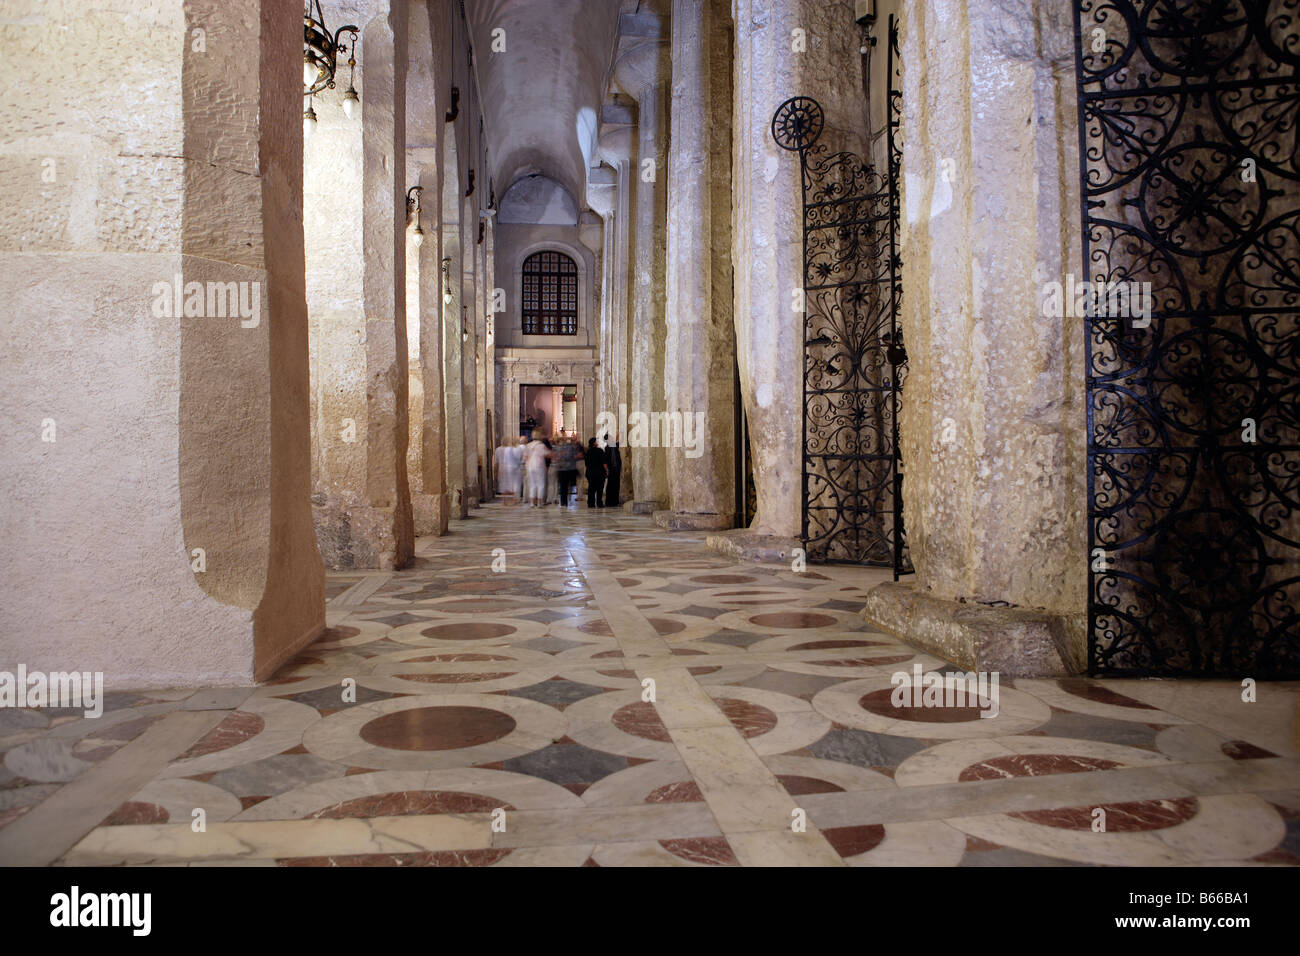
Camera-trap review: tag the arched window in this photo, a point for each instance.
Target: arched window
(550, 300)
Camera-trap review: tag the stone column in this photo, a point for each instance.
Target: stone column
(453, 377)
(469, 348)
(648, 465)
(992, 427)
(362, 498)
(156, 461)
(424, 324)
(767, 232)
(700, 348)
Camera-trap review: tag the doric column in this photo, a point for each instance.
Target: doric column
(992, 423)
(156, 461)
(355, 174)
(700, 348)
(642, 71)
(469, 348)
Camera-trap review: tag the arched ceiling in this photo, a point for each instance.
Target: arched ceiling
(541, 97)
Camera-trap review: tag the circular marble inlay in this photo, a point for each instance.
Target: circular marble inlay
(136, 812)
(1099, 694)
(1138, 816)
(437, 728)
(750, 719)
(881, 702)
(1033, 765)
(468, 632)
(688, 791)
(850, 841)
(792, 619)
(641, 720)
(235, 728)
(723, 579)
(833, 645)
(410, 803)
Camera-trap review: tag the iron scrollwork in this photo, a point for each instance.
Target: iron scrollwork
(1188, 141)
(854, 360)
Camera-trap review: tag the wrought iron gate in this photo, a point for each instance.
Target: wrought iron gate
(854, 360)
(1188, 128)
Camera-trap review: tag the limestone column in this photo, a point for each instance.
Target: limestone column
(453, 344)
(767, 228)
(700, 346)
(641, 71)
(424, 329)
(155, 461)
(469, 348)
(992, 427)
(362, 497)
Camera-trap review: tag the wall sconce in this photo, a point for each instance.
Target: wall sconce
(865, 12)
(446, 280)
(320, 53)
(469, 192)
(413, 213)
(452, 113)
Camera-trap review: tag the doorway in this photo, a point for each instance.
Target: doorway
(551, 409)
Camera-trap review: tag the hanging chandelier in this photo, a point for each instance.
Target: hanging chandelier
(320, 54)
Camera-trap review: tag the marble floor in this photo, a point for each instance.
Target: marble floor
(490, 706)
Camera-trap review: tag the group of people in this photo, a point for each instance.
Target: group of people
(542, 473)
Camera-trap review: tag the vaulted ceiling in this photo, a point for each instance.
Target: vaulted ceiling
(541, 96)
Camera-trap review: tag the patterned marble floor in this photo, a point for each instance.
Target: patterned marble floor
(487, 707)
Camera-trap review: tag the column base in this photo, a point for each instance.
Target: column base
(353, 535)
(430, 513)
(640, 507)
(1015, 642)
(693, 521)
(744, 545)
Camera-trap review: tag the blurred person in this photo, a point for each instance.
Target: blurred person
(508, 459)
(566, 465)
(595, 475)
(536, 455)
(614, 465)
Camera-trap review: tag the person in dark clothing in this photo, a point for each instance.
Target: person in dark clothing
(595, 475)
(614, 465)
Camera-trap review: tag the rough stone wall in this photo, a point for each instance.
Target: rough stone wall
(992, 419)
(169, 433)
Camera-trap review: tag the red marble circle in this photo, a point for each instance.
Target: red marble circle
(797, 785)
(711, 851)
(749, 718)
(235, 728)
(1101, 695)
(1032, 765)
(688, 791)
(722, 579)
(881, 702)
(1137, 816)
(136, 812)
(798, 619)
(437, 728)
(850, 841)
(832, 645)
(640, 719)
(481, 631)
(410, 803)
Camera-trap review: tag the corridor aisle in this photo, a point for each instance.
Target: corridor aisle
(550, 687)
